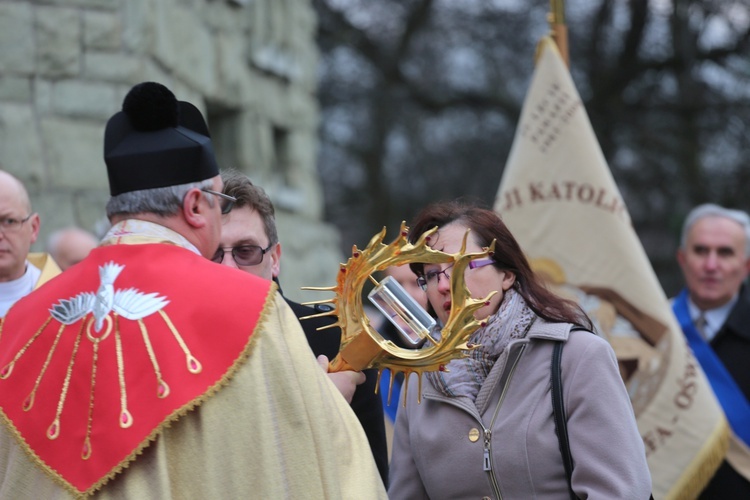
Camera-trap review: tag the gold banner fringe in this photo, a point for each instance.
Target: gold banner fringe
(703, 466)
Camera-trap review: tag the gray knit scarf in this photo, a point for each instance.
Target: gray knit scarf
(465, 376)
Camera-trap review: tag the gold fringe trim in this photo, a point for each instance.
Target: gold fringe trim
(702, 468)
(35, 458)
(166, 423)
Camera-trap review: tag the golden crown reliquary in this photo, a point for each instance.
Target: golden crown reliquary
(362, 346)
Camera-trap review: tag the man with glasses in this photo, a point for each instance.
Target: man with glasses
(20, 271)
(250, 243)
(146, 371)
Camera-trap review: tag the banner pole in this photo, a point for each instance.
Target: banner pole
(558, 29)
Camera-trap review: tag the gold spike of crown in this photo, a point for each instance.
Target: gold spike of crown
(362, 346)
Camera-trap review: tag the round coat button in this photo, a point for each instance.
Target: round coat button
(473, 434)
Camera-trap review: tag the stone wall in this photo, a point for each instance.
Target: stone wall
(250, 65)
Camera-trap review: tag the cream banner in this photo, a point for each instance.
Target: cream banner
(559, 199)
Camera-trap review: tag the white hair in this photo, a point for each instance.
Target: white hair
(160, 201)
(713, 210)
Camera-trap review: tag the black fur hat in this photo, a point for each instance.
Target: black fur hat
(156, 141)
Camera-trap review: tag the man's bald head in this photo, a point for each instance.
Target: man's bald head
(70, 245)
(10, 186)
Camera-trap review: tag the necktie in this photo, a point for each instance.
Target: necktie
(700, 325)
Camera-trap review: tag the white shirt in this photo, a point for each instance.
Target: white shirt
(715, 318)
(12, 291)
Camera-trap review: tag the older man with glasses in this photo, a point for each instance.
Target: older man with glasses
(250, 243)
(146, 371)
(20, 271)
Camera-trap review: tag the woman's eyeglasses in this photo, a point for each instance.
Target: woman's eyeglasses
(432, 278)
(243, 255)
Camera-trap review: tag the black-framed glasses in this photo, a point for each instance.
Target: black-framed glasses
(243, 255)
(226, 202)
(431, 278)
(10, 225)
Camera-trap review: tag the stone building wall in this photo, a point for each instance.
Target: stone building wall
(250, 65)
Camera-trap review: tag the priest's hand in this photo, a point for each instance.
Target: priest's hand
(346, 382)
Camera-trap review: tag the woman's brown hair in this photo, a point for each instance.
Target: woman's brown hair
(486, 226)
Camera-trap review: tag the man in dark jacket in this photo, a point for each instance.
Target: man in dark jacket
(714, 312)
(249, 242)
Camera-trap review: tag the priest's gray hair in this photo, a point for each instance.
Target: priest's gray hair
(162, 201)
(712, 210)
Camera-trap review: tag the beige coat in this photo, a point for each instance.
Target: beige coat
(441, 446)
(279, 429)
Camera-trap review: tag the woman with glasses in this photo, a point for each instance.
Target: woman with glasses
(485, 427)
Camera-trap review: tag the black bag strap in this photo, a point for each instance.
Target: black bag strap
(561, 421)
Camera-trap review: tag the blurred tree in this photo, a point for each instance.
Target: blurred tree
(420, 100)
